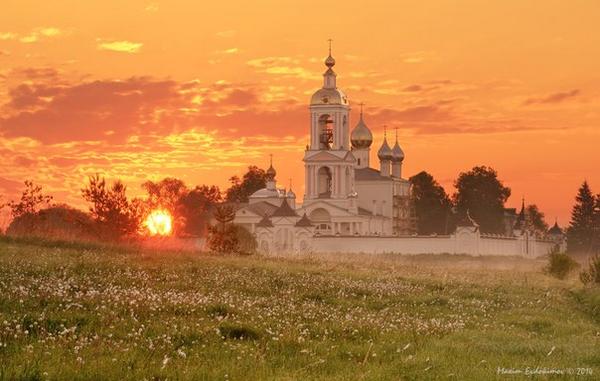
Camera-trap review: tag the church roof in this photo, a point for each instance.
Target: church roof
(555, 230)
(265, 222)
(262, 208)
(369, 174)
(364, 212)
(304, 221)
(285, 210)
(265, 193)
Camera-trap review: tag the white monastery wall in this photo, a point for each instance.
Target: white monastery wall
(453, 244)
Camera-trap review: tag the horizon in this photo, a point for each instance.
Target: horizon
(214, 90)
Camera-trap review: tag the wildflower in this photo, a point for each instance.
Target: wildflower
(165, 361)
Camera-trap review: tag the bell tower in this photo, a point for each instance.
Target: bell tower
(329, 112)
(329, 164)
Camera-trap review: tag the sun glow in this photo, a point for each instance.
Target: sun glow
(159, 222)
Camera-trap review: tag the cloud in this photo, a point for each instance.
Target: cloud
(266, 62)
(226, 33)
(283, 66)
(33, 36)
(553, 98)
(86, 111)
(151, 7)
(413, 88)
(50, 32)
(436, 112)
(48, 108)
(9, 186)
(5, 36)
(228, 51)
(122, 46)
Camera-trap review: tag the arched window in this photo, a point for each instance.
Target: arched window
(324, 182)
(325, 132)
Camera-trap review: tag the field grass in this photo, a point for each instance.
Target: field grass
(81, 312)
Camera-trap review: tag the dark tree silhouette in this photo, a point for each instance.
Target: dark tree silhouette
(479, 192)
(196, 206)
(432, 204)
(535, 219)
(56, 222)
(223, 237)
(32, 200)
(111, 209)
(581, 231)
(252, 181)
(167, 194)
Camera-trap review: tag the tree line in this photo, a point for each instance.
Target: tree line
(479, 193)
(113, 215)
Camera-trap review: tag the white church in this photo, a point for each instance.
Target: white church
(348, 205)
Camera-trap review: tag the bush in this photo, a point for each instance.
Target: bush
(231, 239)
(238, 332)
(560, 264)
(225, 237)
(592, 275)
(57, 222)
(246, 243)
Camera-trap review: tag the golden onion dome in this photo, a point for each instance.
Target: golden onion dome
(330, 61)
(361, 136)
(397, 153)
(385, 152)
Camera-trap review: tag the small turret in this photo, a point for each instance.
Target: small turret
(271, 173)
(397, 158)
(361, 139)
(385, 155)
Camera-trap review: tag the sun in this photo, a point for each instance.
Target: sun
(159, 222)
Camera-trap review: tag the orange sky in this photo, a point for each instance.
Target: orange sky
(200, 90)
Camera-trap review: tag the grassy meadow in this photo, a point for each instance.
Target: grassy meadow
(85, 312)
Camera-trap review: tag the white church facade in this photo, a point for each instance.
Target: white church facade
(349, 206)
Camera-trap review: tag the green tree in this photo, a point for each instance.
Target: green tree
(167, 194)
(482, 194)
(223, 236)
(195, 207)
(253, 180)
(432, 204)
(580, 234)
(535, 219)
(112, 211)
(32, 200)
